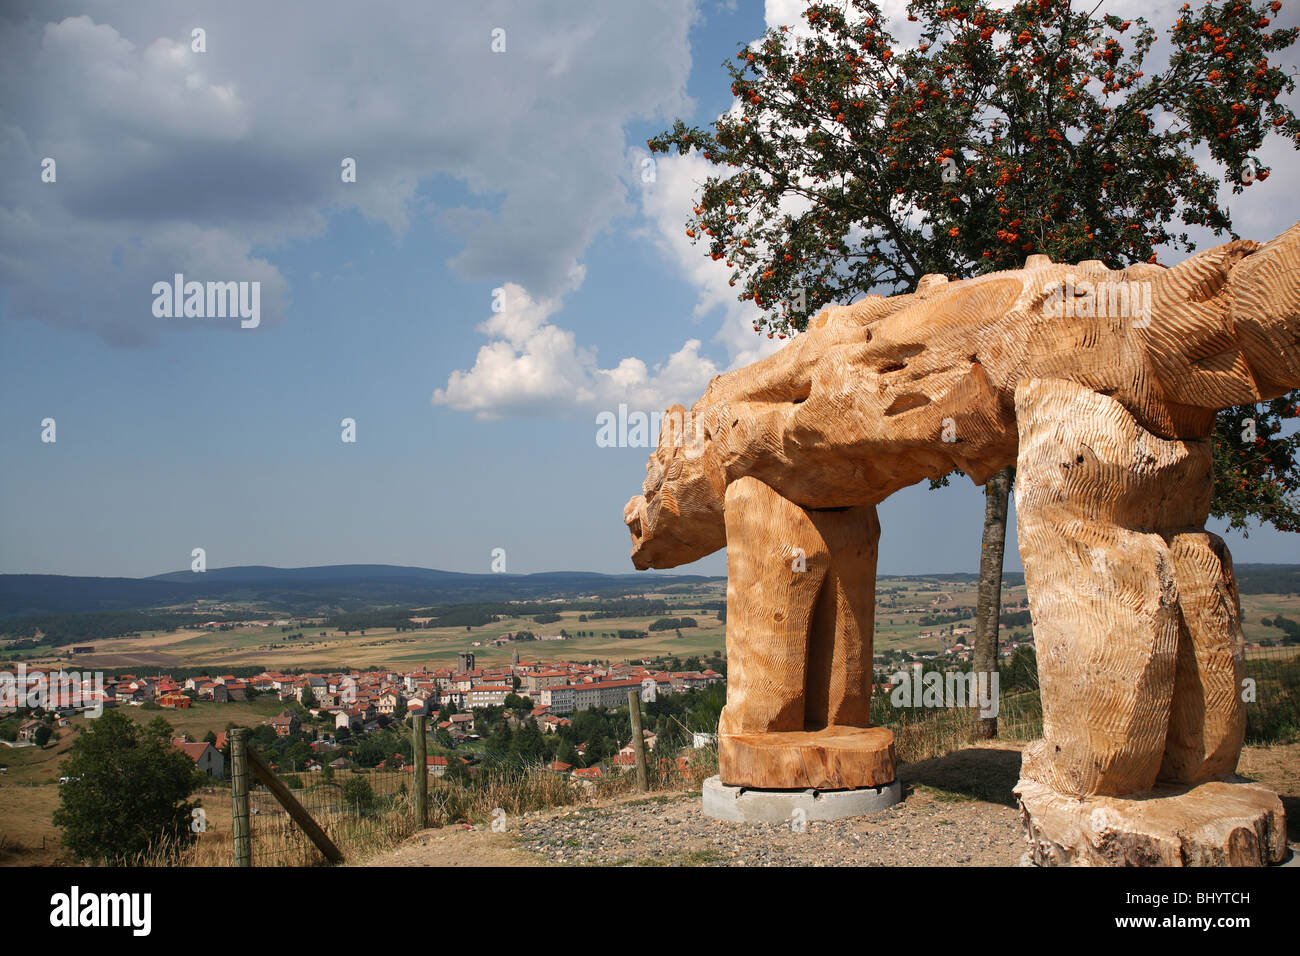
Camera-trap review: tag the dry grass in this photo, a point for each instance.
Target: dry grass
(16, 853)
(277, 841)
(523, 789)
(937, 732)
(27, 837)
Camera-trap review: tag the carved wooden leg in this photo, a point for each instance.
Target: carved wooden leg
(800, 606)
(1135, 622)
(1207, 724)
(1090, 488)
(769, 608)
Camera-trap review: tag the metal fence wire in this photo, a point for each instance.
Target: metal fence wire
(1272, 693)
(330, 815)
(365, 809)
(357, 807)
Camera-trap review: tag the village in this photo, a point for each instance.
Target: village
(341, 706)
(331, 711)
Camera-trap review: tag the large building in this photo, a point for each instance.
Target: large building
(488, 695)
(574, 697)
(540, 681)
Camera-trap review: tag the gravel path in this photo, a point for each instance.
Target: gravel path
(958, 811)
(927, 828)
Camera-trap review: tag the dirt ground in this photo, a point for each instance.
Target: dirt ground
(958, 811)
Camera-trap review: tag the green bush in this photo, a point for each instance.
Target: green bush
(127, 792)
(359, 796)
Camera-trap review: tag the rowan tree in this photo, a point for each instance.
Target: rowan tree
(1257, 466)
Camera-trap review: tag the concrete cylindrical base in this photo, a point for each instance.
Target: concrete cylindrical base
(741, 805)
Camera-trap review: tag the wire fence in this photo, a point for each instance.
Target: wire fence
(514, 786)
(358, 807)
(365, 810)
(1270, 695)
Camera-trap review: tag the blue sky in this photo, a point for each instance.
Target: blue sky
(476, 171)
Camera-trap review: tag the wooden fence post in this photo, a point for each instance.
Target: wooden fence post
(293, 807)
(240, 822)
(638, 739)
(421, 790)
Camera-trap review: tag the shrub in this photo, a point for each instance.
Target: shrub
(358, 795)
(127, 792)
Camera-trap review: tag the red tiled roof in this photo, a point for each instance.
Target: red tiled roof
(193, 751)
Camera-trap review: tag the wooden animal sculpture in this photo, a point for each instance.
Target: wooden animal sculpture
(1101, 386)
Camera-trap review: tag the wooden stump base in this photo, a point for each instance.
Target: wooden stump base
(836, 758)
(1221, 823)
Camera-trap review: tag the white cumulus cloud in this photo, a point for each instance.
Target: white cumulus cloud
(533, 367)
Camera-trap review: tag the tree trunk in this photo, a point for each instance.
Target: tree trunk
(992, 549)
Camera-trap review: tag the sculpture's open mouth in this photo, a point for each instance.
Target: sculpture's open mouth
(633, 515)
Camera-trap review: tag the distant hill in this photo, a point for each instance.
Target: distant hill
(1267, 578)
(345, 587)
(360, 587)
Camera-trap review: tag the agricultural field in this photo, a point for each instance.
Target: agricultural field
(270, 648)
(902, 604)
